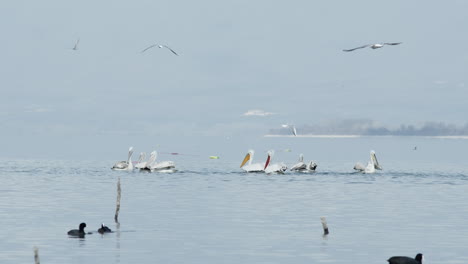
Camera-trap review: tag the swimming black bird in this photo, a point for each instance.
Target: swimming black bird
(104, 229)
(406, 260)
(78, 232)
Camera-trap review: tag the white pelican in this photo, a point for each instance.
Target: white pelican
(274, 168)
(125, 165)
(302, 167)
(76, 45)
(160, 46)
(372, 165)
(146, 166)
(141, 163)
(373, 46)
(256, 167)
(162, 166)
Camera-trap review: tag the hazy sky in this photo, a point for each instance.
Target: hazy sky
(284, 58)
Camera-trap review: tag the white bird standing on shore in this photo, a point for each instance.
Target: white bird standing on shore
(373, 46)
(160, 46)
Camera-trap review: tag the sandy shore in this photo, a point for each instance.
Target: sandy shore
(357, 136)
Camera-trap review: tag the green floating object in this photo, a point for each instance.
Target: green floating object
(214, 157)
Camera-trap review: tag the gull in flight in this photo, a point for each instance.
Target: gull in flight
(373, 46)
(160, 46)
(292, 127)
(76, 44)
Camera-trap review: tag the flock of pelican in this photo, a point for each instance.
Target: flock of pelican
(301, 166)
(150, 165)
(268, 167)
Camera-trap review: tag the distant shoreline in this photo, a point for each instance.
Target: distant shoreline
(358, 136)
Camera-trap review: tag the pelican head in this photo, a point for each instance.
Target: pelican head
(152, 158)
(130, 152)
(270, 155)
(248, 158)
(130, 163)
(374, 160)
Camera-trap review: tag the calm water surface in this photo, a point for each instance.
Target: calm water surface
(211, 212)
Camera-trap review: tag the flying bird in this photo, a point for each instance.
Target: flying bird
(76, 45)
(160, 46)
(373, 46)
(292, 127)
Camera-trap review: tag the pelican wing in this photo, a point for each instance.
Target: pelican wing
(121, 165)
(152, 46)
(163, 165)
(276, 168)
(299, 166)
(312, 166)
(394, 43)
(256, 167)
(170, 50)
(361, 47)
(359, 167)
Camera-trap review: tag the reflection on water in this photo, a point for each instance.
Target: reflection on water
(211, 212)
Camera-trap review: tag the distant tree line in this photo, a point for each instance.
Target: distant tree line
(367, 127)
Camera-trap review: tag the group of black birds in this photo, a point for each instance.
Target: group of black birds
(104, 229)
(81, 233)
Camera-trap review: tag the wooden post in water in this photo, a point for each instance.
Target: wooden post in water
(324, 225)
(36, 256)
(117, 209)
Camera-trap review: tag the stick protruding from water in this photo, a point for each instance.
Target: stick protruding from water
(36, 256)
(117, 209)
(324, 225)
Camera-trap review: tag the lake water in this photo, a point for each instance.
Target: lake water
(211, 212)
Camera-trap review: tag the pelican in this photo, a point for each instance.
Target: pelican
(256, 167)
(141, 163)
(162, 166)
(302, 167)
(160, 46)
(76, 45)
(146, 166)
(274, 168)
(125, 165)
(373, 46)
(372, 165)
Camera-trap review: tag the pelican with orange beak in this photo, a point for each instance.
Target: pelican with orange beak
(247, 165)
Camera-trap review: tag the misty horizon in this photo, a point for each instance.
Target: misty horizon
(367, 127)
